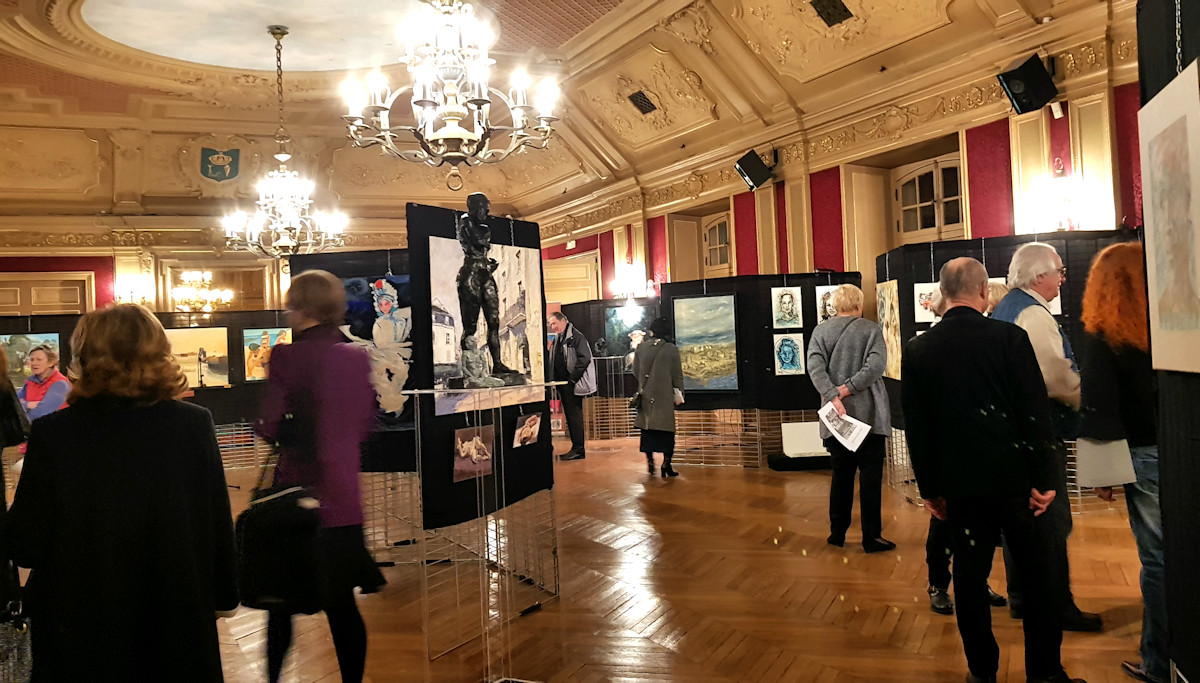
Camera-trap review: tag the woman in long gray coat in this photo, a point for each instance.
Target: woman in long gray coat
(846, 360)
(659, 371)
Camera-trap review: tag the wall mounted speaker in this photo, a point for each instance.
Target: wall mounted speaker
(753, 170)
(1028, 85)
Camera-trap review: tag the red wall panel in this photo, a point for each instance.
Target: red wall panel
(745, 237)
(1126, 102)
(781, 236)
(825, 188)
(656, 249)
(608, 264)
(581, 245)
(101, 266)
(989, 180)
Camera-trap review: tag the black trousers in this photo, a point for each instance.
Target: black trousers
(1059, 524)
(938, 551)
(975, 527)
(868, 461)
(573, 412)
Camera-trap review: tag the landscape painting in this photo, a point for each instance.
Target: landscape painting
(705, 334)
(256, 350)
(1169, 130)
(473, 448)
(17, 347)
(622, 321)
(202, 354)
(789, 354)
(888, 308)
(785, 307)
(825, 309)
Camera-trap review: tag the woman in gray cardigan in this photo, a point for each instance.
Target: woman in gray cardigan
(846, 360)
(657, 366)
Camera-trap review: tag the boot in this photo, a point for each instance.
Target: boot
(667, 471)
(650, 463)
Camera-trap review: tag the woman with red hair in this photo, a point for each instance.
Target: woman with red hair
(1120, 401)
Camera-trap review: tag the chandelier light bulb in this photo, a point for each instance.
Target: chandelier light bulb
(377, 84)
(520, 80)
(546, 98)
(355, 96)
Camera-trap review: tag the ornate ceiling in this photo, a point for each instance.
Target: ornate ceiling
(128, 89)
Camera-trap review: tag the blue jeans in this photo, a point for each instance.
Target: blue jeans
(1145, 517)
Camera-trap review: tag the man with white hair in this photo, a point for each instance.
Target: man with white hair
(1036, 274)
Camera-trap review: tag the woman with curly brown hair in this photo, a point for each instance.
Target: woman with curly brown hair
(122, 515)
(1120, 401)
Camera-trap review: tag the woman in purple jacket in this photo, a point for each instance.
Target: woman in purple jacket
(324, 385)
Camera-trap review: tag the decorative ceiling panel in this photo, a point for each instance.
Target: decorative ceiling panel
(794, 39)
(90, 95)
(545, 24)
(680, 100)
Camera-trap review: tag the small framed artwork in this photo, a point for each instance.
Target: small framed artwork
(473, 452)
(825, 309)
(256, 348)
(785, 308)
(923, 301)
(529, 427)
(789, 354)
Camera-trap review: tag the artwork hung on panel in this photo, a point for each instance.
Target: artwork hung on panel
(785, 307)
(923, 301)
(256, 348)
(825, 309)
(18, 346)
(202, 353)
(888, 307)
(379, 320)
(624, 328)
(473, 448)
(529, 427)
(487, 306)
(789, 354)
(707, 341)
(1169, 130)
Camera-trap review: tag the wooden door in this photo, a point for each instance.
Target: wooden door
(47, 293)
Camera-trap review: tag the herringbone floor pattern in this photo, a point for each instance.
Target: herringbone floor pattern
(723, 574)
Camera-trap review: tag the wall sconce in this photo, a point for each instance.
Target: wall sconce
(134, 289)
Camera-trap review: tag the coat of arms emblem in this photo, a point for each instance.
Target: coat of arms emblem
(219, 165)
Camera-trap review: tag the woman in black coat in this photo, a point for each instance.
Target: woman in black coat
(122, 515)
(657, 366)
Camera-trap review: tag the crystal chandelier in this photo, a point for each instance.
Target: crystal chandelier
(452, 101)
(282, 225)
(195, 295)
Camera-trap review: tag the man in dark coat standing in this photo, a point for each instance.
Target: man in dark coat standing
(977, 420)
(571, 362)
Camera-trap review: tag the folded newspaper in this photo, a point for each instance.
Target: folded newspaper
(849, 431)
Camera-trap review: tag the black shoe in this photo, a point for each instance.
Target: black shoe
(1087, 622)
(939, 601)
(995, 599)
(572, 455)
(650, 463)
(836, 539)
(668, 472)
(1016, 612)
(1059, 678)
(1135, 670)
(878, 545)
(972, 678)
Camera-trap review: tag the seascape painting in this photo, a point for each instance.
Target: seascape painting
(522, 322)
(257, 345)
(17, 347)
(888, 308)
(707, 341)
(202, 354)
(923, 301)
(1169, 131)
(785, 308)
(625, 327)
(789, 354)
(473, 447)
(825, 309)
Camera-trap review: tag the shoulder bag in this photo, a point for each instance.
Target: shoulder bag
(635, 403)
(277, 536)
(14, 423)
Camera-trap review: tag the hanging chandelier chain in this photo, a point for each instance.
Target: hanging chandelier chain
(1178, 37)
(278, 32)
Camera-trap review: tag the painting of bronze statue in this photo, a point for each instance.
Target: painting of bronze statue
(1169, 128)
(487, 315)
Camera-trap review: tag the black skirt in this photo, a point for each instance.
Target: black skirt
(657, 441)
(346, 564)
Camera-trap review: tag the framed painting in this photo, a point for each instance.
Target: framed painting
(256, 350)
(624, 328)
(202, 353)
(785, 308)
(1169, 128)
(473, 448)
(17, 348)
(825, 309)
(923, 301)
(888, 307)
(789, 354)
(705, 332)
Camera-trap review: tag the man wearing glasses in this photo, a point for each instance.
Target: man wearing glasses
(1035, 275)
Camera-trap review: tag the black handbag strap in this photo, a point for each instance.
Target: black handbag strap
(642, 380)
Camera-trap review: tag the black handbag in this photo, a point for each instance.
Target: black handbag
(277, 538)
(14, 423)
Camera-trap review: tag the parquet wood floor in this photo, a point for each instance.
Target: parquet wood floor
(723, 574)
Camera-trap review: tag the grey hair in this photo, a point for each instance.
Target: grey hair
(847, 298)
(1030, 261)
(961, 277)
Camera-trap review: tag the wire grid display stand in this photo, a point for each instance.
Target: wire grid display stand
(902, 479)
(608, 415)
(732, 437)
(479, 576)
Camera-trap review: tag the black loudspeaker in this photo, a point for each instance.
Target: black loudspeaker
(1028, 84)
(753, 170)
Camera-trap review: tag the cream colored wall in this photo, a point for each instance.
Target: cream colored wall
(866, 214)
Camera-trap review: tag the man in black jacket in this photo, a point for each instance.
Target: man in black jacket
(977, 420)
(571, 362)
